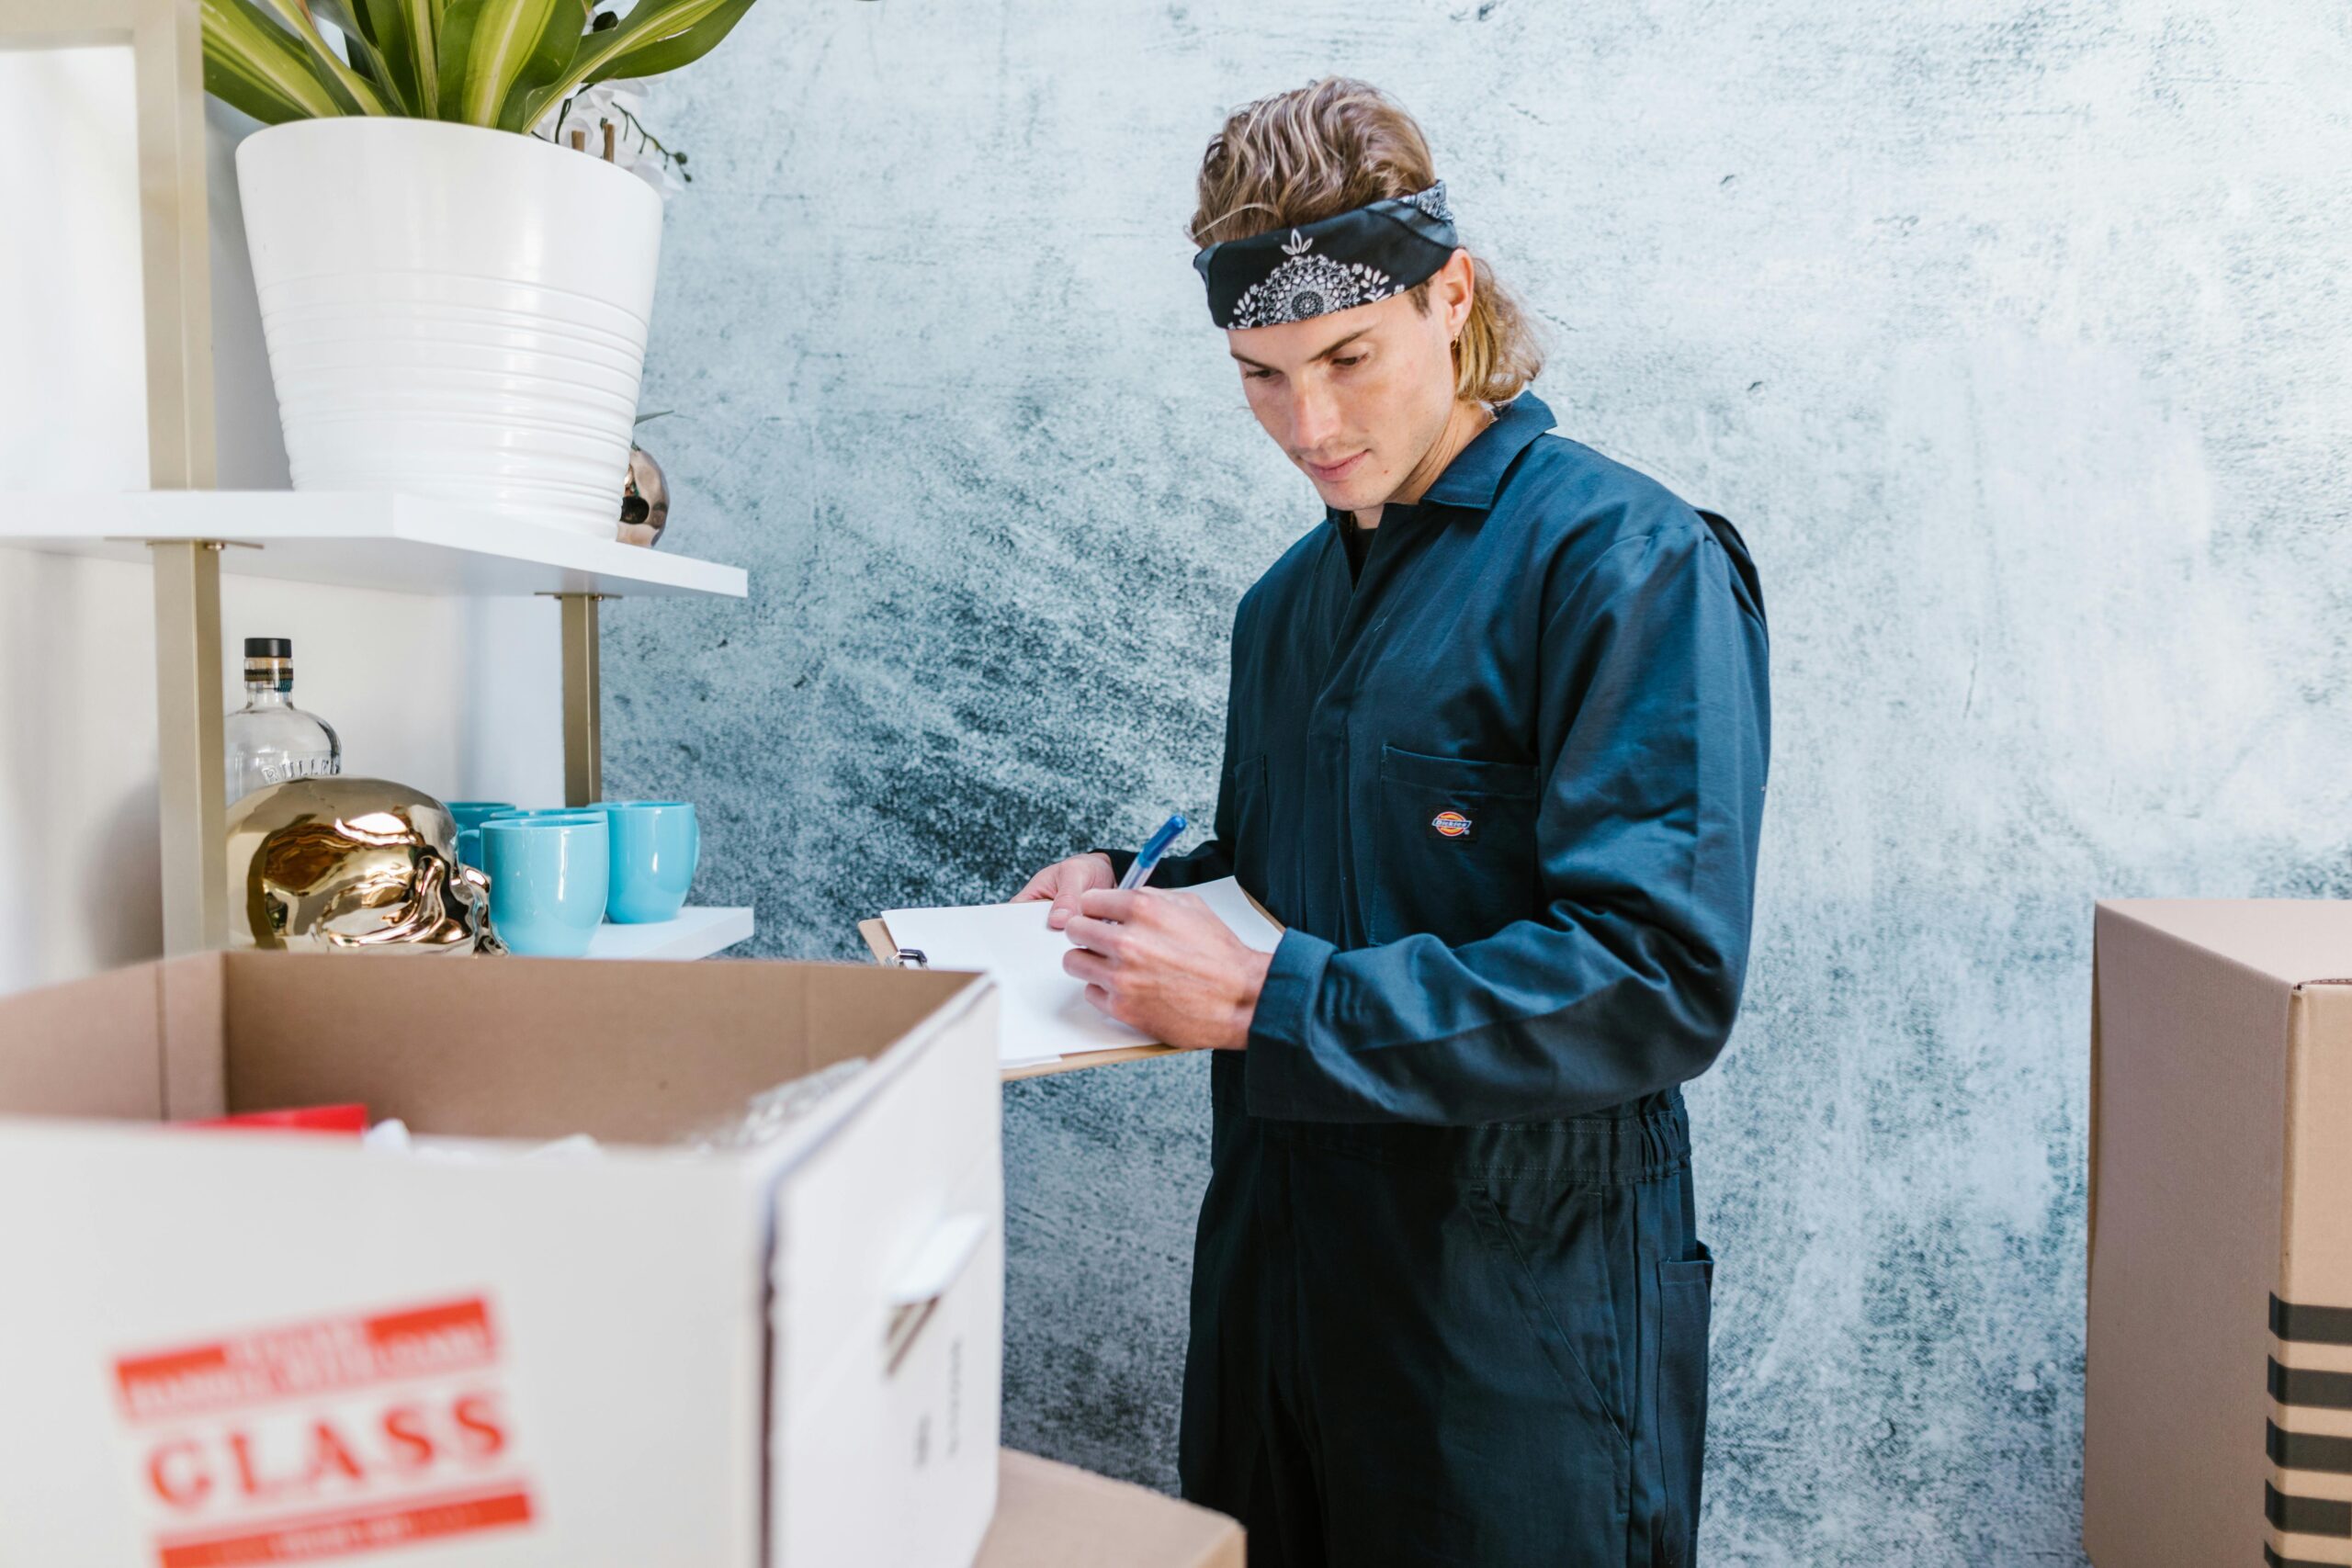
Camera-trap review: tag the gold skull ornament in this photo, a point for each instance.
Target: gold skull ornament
(345, 864)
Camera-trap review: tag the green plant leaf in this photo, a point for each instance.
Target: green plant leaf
(347, 83)
(256, 66)
(248, 95)
(369, 61)
(456, 38)
(409, 33)
(672, 49)
(493, 52)
(650, 25)
(550, 61)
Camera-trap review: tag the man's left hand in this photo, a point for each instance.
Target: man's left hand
(1162, 961)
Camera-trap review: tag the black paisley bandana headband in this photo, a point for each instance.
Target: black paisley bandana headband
(1350, 258)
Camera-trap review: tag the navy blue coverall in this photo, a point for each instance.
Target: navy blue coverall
(1504, 790)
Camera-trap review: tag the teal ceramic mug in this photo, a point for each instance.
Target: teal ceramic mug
(469, 815)
(512, 811)
(656, 845)
(548, 874)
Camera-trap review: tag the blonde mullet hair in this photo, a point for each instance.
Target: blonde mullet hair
(1339, 143)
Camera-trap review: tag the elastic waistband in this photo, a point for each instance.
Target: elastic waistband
(1641, 1141)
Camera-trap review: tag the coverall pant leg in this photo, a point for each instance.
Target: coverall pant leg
(1422, 1346)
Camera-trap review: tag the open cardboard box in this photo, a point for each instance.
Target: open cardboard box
(235, 1346)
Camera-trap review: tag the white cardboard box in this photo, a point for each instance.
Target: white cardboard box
(228, 1347)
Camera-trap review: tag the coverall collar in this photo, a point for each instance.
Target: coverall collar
(1475, 475)
(1476, 471)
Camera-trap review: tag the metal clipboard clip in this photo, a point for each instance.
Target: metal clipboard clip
(910, 958)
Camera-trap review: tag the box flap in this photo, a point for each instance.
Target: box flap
(2296, 942)
(1056, 1516)
(88, 1048)
(191, 1004)
(625, 1052)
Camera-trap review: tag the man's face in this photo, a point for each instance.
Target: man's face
(1358, 396)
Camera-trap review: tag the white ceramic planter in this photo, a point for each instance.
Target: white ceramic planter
(452, 312)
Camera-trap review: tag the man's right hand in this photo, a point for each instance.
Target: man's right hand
(1064, 880)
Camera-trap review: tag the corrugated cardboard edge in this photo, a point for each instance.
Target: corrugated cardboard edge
(2298, 1046)
(1057, 1516)
(2090, 1190)
(2308, 1481)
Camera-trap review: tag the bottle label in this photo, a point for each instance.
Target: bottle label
(298, 768)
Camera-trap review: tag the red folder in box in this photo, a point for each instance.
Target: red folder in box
(349, 1119)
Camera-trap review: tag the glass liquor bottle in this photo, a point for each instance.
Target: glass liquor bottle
(270, 741)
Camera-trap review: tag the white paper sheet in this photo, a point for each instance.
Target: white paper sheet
(1045, 1013)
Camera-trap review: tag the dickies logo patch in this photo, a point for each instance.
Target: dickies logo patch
(1451, 825)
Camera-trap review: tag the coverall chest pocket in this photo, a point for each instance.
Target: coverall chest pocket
(1456, 851)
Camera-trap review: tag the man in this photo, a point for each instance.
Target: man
(1494, 755)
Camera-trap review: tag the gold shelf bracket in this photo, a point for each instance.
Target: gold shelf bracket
(584, 694)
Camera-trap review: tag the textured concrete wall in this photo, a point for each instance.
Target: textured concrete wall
(2017, 339)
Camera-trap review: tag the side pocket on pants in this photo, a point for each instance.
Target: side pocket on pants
(1685, 1290)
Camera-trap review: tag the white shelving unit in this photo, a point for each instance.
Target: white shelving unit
(695, 934)
(351, 539)
(402, 543)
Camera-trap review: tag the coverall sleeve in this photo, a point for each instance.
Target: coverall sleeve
(1652, 751)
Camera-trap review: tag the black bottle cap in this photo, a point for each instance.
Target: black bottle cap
(269, 647)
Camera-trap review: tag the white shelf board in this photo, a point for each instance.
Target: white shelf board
(695, 934)
(359, 539)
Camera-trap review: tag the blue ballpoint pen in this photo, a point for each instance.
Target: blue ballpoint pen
(1153, 848)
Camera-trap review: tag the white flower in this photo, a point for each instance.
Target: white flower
(622, 105)
(657, 172)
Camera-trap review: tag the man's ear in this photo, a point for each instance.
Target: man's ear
(1458, 283)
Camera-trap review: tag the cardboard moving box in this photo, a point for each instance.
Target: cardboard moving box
(233, 1346)
(1054, 1516)
(2218, 1420)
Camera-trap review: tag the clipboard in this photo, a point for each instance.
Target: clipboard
(878, 940)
